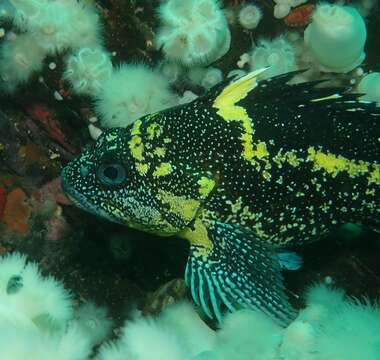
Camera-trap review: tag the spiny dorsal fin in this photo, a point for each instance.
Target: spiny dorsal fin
(238, 89)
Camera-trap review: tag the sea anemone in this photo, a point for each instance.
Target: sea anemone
(333, 326)
(349, 329)
(111, 351)
(249, 16)
(87, 70)
(193, 32)
(248, 334)
(187, 97)
(196, 74)
(177, 334)
(163, 342)
(182, 319)
(351, 333)
(20, 343)
(43, 300)
(205, 77)
(24, 10)
(120, 101)
(171, 70)
(88, 27)
(20, 57)
(279, 54)
(370, 86)
(211, 77)
(34, 315)
(6, 10)
(322, 301)
(336, 37)
(93, 321)
(298, 341)
(46, 29)
(48, 22)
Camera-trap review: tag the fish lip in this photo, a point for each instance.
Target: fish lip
(80, 201)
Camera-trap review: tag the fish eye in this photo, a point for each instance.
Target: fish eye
(111, 174)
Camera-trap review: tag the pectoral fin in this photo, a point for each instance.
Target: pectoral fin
(289, 260)
(239, 270)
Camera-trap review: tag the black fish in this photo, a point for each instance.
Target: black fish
(241, 173)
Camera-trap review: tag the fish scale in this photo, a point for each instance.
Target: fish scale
(242, 173)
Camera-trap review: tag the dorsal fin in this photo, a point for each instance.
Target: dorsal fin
(237, 89)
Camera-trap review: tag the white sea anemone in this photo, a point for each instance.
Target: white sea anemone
(196, 74)
(47, 27)
(25, 10)
(250, 16)
(205, 77)
(279, 54)
(131, 92)
(248, 334)
(325, 296)
(187, 96)
(370, 86)
(333, 326)
(49, 23)
(182, 319)
(163, 342)
(20, 343)
(193, 31)
(87, 31)
(6, 10)
(177, 334)
(93, 321)
(351, 333)
(322, 301)
(171, 70)
(336, 37)
(298, 341)
(211, 77)
(43, 300)
(20, 57)
(34, 315)
(111, 351)
(87, 70)
(351, 330)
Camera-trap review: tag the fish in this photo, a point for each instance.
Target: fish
(244, 173)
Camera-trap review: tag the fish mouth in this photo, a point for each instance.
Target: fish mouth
(127, 219)
(81, 201)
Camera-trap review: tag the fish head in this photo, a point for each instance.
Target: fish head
(104, 181)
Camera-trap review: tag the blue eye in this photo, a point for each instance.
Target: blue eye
(111, 174)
